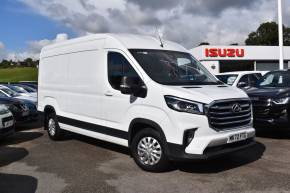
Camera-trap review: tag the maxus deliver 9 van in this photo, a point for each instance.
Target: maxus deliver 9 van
(142, 93)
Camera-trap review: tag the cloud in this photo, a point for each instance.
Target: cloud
(33, 49)
(286, 12)
(2, 46)
(2, 50)
(185, 21)
(215, 8)
(153, 4)
(36, 45)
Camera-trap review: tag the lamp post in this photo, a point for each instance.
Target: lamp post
(280, 23)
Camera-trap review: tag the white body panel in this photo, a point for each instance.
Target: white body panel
(251, 53)
(73, 79)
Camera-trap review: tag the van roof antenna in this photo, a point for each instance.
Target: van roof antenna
(159, 37)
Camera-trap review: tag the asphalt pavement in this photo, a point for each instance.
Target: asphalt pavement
(30, 162)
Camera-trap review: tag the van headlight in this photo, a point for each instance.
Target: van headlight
(281, 101)
(183, 105)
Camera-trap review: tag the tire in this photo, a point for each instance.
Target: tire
(158, 161)
(54, 131)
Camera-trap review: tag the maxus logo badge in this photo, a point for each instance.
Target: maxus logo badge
(236, 108)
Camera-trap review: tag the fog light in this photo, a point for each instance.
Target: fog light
(188, 136)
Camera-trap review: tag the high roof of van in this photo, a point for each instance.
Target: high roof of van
(128, 41)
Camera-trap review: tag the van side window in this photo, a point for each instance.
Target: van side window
(118, 66)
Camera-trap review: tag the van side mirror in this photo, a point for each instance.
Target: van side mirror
(133, 86)
(242, 85)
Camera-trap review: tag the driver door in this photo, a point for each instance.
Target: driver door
(116, 104)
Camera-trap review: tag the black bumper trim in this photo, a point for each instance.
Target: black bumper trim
(90, 126)
(94, 127)
(177, 152)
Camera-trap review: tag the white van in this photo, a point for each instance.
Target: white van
(142, 93)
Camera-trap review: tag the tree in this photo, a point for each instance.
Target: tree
(267, 35)
(204, 44)
(28, 62)
(5, 64)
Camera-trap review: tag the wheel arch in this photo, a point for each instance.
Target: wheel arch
(140, 123)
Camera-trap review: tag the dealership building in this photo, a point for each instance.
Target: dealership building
(241, 58)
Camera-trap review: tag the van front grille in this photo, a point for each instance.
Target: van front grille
(230, 114)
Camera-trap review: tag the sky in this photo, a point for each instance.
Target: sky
(28, 25)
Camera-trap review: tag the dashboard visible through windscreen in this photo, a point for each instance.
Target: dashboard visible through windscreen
(173, 68)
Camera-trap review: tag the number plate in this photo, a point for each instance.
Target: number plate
(8, 123)
(237, 137)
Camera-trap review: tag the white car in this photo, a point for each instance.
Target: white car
(242, 79)
(6, 122)
(5, 91)
(144, 93)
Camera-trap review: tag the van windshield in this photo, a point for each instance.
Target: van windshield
(173, 68)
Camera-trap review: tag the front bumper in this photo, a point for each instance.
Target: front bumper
(5, 131)
(272, 114)
(30, 117)
(207, 147)
(177, 153)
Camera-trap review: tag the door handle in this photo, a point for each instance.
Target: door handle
(108, 93)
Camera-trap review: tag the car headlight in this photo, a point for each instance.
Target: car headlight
(183, 105)
(4, 109)
(281, 101)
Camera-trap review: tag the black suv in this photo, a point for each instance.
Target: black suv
(271, 98)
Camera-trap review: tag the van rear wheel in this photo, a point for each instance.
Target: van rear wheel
(147, 149)
(52, 127)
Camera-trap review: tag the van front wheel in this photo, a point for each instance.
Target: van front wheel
(148, 151)
(52, 127)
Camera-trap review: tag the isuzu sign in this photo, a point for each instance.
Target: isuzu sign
(224, 52)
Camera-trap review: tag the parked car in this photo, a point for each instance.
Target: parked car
(6, 122)
(31, 84)
(18, 108)
(6, 91)
(271, 98)
(23, 90)
(242, 79)
(149, 95)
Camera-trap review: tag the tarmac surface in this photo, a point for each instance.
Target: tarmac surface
(30, 162)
